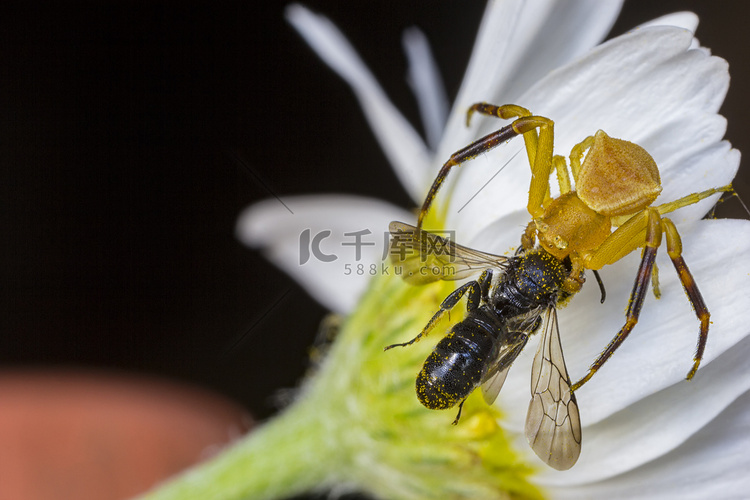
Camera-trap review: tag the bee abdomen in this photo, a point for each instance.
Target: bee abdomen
(453, 369)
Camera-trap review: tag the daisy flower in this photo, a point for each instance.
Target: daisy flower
(356, 424)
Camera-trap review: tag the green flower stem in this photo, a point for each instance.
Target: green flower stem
(356, 424)
(287, 456)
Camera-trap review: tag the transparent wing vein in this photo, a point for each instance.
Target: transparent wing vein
(423, 257)
(553, 425)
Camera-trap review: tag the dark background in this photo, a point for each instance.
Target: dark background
(132, 135)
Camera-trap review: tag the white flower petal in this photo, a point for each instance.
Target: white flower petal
(712, 464)
(656, 76)
(277, 229)
(659, 351)
(659, 423)
(486, 189)
(400, 142)
(685, 20)
(668, 92)
(427, 85)
(518, 43)
(501, 237)
(716, 166)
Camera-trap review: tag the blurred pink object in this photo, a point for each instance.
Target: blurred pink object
(91, 435)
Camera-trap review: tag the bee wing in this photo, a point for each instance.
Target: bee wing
(495, 377)
(491, 387)
(553, 426)
(425, 257)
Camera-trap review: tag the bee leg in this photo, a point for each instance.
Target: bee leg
(674, 248)
(485, 284)
(458, 416)
(637, 295)
(477, 290)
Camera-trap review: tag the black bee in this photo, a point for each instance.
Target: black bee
(512, 298)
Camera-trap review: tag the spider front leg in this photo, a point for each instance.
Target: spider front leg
(478, 291)
(539, 149)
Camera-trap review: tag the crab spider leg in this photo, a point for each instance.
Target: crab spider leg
(632, 233)
(621, 242)
(563, 179)
(539, 149)
(674, 249)
(576, 154)
(482, 145)
(506, 112)
(655, 287)
(640, 288)
(655, 226)
(477, 290)
(691, 198)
